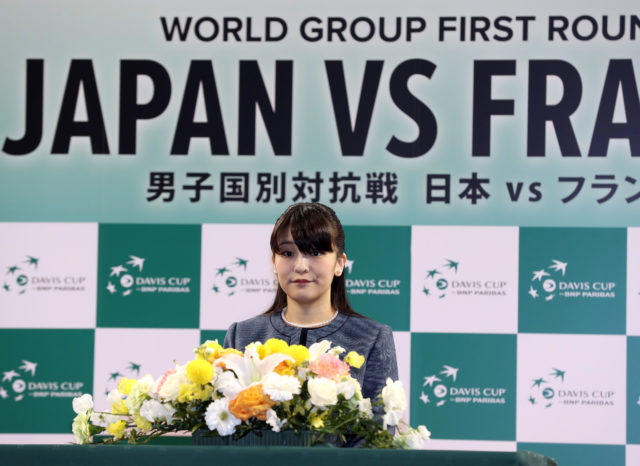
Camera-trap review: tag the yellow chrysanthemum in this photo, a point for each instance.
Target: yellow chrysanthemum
(200, 371)
(125, 385)
(354, 359)
(119, 407)
(117, 429)
(209, 350)
(186, 393)
(299, 353)
(272, 346)
(141, 422)
(202, 392)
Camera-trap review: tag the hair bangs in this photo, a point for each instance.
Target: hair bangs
(312, 237)
(310, 229)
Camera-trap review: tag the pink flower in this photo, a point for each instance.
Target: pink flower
(329, 366)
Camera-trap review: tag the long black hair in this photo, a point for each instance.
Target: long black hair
(314, 227)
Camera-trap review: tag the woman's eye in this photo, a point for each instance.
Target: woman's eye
(316, 253)
(286, 253)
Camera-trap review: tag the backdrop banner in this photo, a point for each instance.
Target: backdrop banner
(484, 159)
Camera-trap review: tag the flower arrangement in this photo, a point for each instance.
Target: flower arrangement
(272, 386)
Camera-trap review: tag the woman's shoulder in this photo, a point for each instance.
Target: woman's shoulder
(259, 328)
(365, 324)
(256, 322)
(367, 331)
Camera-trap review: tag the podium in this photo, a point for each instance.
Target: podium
(162, 455)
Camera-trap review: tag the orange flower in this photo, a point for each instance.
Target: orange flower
(285, 368)
(251, 402)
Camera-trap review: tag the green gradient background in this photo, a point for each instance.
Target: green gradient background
(84, 187)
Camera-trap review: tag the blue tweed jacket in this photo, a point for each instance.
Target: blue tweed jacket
(369, 338)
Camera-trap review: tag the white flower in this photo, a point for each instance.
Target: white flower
(80, 428)
(393, 396)
(323, 392)
(413, 438)
(274, 421)
(113, 396)
(318, 348)
(82, 404)
(348, 387)
(249, 368)
(153, 410)
(391, 418)
(168, 386)
(219, 418)
(337, 350)
(280, 387)
(364, 406)
(424, 432)
(228, 384)
(145, 384)
(103, 419)
(303, 373)
(135, 398)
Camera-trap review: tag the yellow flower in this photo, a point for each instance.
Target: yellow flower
(186, 393)
(354, 359)
(299, 353)
(125, 385)
(117, 429)
(141, 422)
(119, 407)
(209, 350)
(317, 422)
(199, 371)
(285, 368)
(230, 351)
(272, 346)
(202, 392)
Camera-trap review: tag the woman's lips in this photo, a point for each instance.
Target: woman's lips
(301, 280)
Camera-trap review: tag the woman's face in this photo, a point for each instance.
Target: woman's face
(306, 278)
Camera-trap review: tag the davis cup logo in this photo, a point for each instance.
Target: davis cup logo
(17, 276)
(438, 386)
(552, 389)
(549, 282)
(121, 279)
(547, 287)
(127, 277)
(443, 387)
(226, 277)
(25, 275)
(543, 392)
(235, 278)
(16, 380)
(370, 286)
(444, 280)
(438, 278)
(22, 383)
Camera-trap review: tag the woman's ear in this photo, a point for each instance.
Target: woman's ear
(342, 260)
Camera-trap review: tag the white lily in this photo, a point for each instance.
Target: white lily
(318, 349)
(250, 369)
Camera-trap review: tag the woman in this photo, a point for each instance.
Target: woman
(311, 305)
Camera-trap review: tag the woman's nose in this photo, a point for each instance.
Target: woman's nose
(301, 264)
